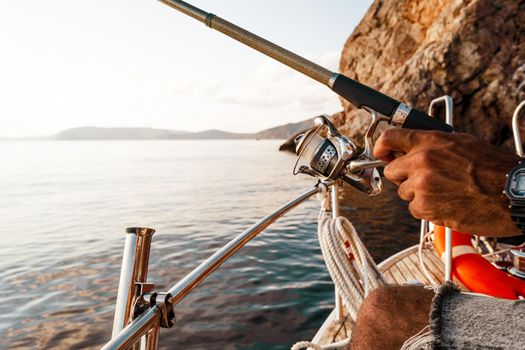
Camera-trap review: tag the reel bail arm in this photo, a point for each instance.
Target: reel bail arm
(334, 156)
(364, 168)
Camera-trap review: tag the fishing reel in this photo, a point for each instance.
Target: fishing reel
(329, 156)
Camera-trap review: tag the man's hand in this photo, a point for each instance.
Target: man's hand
(450, 179)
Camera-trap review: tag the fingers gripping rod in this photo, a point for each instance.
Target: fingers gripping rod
(360, 95)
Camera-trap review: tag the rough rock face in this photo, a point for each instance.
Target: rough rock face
(416, 50)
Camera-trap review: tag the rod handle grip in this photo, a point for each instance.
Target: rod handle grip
(419, 120)
(361, 95)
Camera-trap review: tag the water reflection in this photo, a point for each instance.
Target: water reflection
(65, 206)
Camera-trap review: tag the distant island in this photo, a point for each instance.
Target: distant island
(97, 133)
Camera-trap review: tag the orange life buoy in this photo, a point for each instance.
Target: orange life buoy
(473, 271)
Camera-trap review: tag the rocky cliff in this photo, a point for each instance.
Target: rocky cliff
(416, 50)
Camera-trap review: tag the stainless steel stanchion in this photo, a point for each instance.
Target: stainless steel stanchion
(133, 274)
(447, 100)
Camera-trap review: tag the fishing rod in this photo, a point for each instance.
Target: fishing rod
(323, 152)
(361, 96)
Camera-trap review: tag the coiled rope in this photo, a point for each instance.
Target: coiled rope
(351, 267)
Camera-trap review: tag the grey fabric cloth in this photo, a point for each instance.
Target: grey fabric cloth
(466, 321)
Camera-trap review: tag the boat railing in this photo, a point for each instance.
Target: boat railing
(426, 226)
(140, 311)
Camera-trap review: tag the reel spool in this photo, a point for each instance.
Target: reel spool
(334, 156)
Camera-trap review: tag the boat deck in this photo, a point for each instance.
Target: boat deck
(400, 268)
(404, 267)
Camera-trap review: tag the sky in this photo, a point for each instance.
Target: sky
(139, 63)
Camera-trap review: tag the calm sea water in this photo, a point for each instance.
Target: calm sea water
(64, 207)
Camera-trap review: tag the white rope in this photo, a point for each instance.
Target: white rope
(306, 344)
(339, 265)
(501, 251)
(350, 265)
(421, 340)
